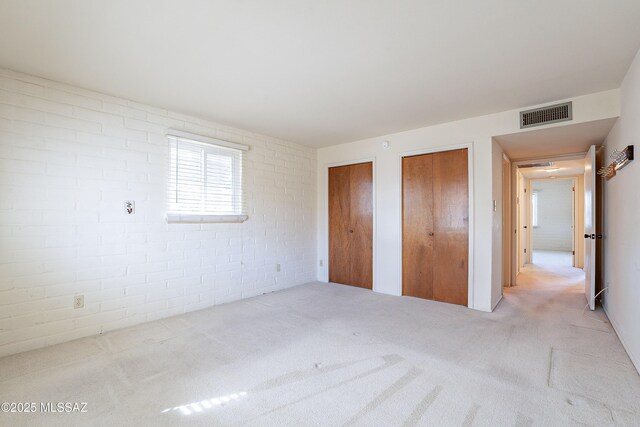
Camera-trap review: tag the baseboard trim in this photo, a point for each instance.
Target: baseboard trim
(497, 302)
(626, 347)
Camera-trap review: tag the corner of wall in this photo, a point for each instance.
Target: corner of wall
(621, 234)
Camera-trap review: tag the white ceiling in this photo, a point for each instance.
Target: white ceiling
(565, 168)
(555, 141)
(326, 72)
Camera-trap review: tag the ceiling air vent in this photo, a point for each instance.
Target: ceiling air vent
(535, 165)
(546, 115)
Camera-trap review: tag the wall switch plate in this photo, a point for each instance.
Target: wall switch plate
(129, 207)
(78, 301)
(278, 268)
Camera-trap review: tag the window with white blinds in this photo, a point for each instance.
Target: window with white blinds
(205, 180)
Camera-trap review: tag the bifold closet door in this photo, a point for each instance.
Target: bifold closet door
(417, 225)
(451, 223)
(339, 224)
(351, 225)
(435, 226)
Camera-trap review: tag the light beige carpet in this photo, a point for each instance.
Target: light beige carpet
(551, 258)
(329, 355)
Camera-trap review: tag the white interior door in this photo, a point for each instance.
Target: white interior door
(590, 227)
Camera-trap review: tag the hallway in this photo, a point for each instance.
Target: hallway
(296, 354)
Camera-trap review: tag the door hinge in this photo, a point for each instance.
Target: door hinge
(574, 252)
(525, 251)
(573, 188)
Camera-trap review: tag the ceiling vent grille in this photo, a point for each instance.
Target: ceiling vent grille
(546, 115)
(535, 165)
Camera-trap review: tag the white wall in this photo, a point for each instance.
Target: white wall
(387, 228)
(621, 222)
(555, 215)
(70, 157)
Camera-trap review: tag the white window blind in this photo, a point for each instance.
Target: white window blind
(205, 180)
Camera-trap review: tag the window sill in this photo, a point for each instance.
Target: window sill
(199, 219)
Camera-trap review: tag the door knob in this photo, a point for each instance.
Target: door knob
(350, 231)
(586, 236)
(599, 236)
(431, 233)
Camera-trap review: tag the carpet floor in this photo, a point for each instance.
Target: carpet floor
(551, 258)
(329, 355)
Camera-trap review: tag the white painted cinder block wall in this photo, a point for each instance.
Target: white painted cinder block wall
(68, 160)
(555, 215)
(622, 217)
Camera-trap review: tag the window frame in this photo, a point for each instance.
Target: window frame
(238, 195)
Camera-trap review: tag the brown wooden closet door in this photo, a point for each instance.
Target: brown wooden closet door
(451, 223)
(417, 223)
(339, 224)
(351, 225)
(361, 231)
(435, 226)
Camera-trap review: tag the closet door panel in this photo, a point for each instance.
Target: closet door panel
(339, 224)
(361, 213)
(417, 226)
(351, 225)
(451, 224)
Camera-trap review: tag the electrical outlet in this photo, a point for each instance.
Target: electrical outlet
(129, 207)
(78, 301)
(321, 263)
(278, 268)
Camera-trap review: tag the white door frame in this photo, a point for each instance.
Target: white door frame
(574, 180)
(440, 149)
(515, 268)
(506, 221)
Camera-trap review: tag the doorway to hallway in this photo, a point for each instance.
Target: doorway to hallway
(549, 213)
(553, 217)
(569, 151)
